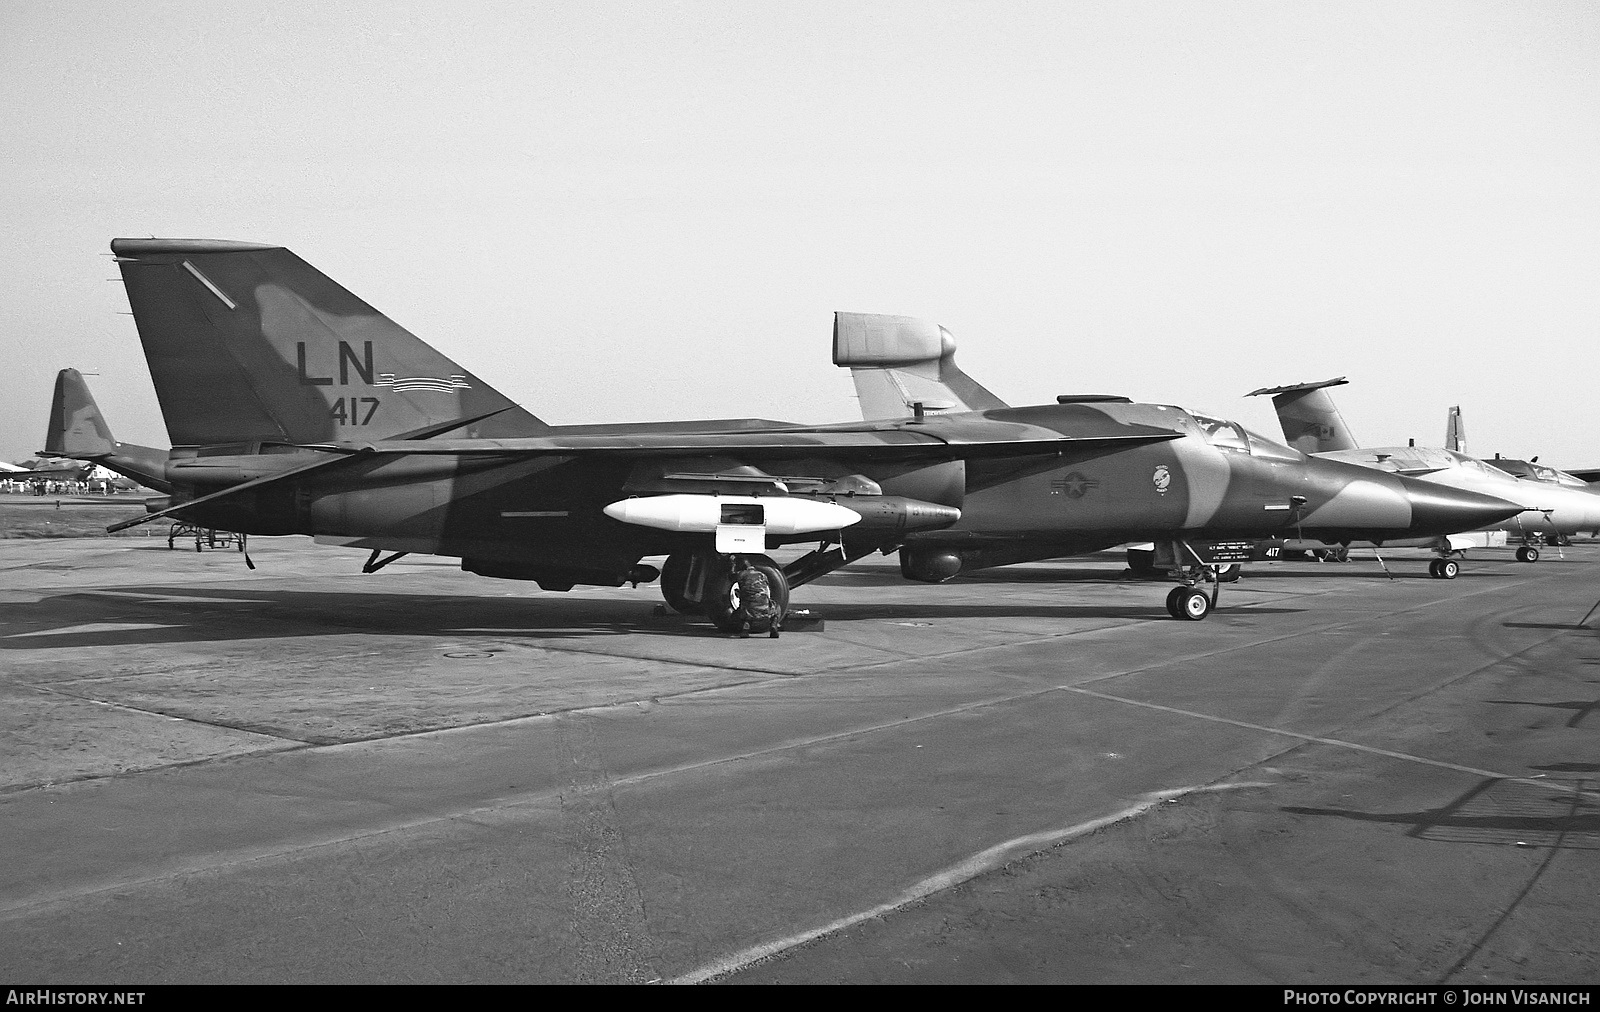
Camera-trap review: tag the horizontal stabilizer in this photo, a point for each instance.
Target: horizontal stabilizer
(1306, 413)
(269, 479)
(1294, 387)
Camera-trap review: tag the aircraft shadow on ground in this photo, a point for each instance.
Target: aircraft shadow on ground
(1035, 574)
(1499, 812)
(1153, 609)
(1032, 574)
(1406, 569)
(1580, 708)
(191, 614)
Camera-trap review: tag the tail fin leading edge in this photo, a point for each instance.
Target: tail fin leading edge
(899, 361)
(248, 342)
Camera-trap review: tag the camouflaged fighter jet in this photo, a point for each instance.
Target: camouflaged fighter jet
(1312, 423)
(1244, 494)
(296, 408)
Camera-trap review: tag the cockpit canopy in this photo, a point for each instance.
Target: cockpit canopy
(1235, 438)
(1527, 469)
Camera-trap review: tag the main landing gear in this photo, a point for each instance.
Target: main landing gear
(1527, 553)
(1444, 569)
(702, 583)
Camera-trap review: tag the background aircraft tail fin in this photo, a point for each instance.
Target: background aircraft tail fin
(898, 361)
(1455, 431)
(1310, 421)
(79, 431)
(249, 343)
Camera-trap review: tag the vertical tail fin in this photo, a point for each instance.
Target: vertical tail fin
(1455, 431)
(249, 343)
(1310, 422)
(899, 361)
(78, 431)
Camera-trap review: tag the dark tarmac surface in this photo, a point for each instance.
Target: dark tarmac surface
(303, 774)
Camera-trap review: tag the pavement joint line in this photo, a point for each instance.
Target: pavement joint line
(304, 745)
(199, 667)
(1552, 785)
(964, 871)
(168, 716)
(8, 790)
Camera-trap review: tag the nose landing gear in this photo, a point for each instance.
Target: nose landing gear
(1190, 603)
(1193, 564)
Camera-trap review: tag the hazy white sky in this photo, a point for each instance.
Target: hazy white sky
(622, 211)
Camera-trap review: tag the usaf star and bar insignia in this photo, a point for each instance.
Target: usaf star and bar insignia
(1074, 485)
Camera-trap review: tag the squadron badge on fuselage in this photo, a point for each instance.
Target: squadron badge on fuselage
(1162, 478)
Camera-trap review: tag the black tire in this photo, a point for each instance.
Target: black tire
(1527, 553)
(1172, 600)
(1449, 569)
(1230, 573)
(675, 580)
(1193, 605)
(1433, 569)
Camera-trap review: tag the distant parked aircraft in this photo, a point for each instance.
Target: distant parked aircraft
(1552, 511)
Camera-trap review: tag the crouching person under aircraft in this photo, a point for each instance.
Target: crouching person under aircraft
(755, 604)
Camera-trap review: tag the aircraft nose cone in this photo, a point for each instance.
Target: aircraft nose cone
(1439, 509)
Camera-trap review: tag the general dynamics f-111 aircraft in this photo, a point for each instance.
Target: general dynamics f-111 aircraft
(296, 408)
(1311, 423)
